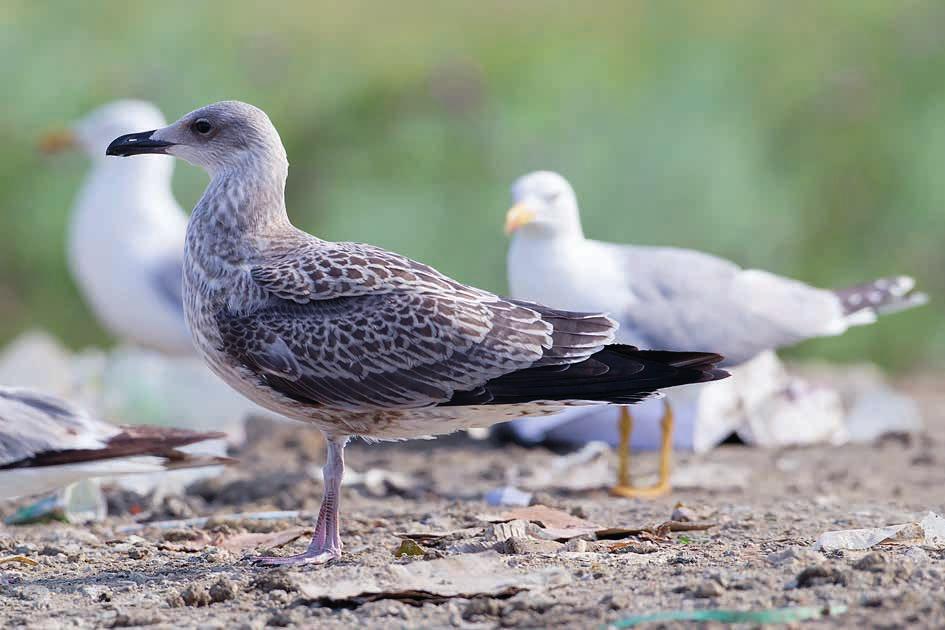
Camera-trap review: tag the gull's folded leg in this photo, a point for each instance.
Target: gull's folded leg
(326, 541)
(624, 488)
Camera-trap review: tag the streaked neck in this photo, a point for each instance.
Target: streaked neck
(247, 199)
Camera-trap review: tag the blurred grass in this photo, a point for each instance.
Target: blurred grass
(806, 138)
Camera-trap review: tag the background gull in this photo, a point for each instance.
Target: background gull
(672, 298)
(126, 234)
(47, 443)
(360, 341)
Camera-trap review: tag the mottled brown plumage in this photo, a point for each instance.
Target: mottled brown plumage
(361, 341)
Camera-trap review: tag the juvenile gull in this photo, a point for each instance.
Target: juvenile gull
(673, 298)
(359, 341)
(47, 443)
(126, 232)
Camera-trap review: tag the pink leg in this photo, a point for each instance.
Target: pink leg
(326, 542)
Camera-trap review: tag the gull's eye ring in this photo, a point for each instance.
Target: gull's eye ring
(202, 126)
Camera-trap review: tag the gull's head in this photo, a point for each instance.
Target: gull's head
(221, 136)
(97, 129)
(544, 203)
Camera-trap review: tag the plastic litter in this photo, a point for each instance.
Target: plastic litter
(772, 616)
(81, 502)
(508, 496)
(930, 532)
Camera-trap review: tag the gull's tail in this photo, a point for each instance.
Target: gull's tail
(616, 374)
(863, 303)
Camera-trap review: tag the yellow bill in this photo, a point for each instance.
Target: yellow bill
(517, 216)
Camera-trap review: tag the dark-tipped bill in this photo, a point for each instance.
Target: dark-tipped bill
(137, 144)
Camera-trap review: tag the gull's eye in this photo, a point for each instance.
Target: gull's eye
(553, 195)
(202, 126)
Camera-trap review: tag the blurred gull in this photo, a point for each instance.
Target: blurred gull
(47, 443)
(126, 234)
(360, 341)
(673, 298)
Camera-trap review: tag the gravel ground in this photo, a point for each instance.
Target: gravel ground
(757, 555)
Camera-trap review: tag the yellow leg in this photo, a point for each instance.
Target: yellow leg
(625, 425)
(624, 488)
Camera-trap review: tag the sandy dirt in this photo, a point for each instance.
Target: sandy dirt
(757, 556)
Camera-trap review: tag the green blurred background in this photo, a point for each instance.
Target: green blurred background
(807, 138)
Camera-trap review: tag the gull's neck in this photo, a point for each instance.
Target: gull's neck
(566, 230)
(246, 198)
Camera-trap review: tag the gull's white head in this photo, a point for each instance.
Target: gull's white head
(96, 130)
(229, 135)
(544, 204)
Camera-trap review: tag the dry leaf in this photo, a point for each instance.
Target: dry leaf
(465, 576)
(557, 524)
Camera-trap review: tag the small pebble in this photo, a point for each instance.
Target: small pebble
(223, 590)
(873, 561)
(707, 589)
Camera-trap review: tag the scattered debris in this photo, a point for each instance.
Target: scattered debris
(409, 548)
(683, 514)
(873, 562)
(193, 595)
(792, 555)
(509, 529)
(660, 531)
(635, 546)
(465, 576)
(20, 559)
(508, 496)
(223, 590)
(377, 482)
(818, 575)
(202, 521)
(556, 524)
(707, 590)
(772, 616)
(427, 537)
(929, 532)
(526, 545)
(273, 540)
(45, 510)
(277, 580)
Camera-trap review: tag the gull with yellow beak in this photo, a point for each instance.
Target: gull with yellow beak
(668, 298)
(126, 232)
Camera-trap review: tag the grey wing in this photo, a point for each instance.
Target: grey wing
(687, 300)
(354, 327)
(32, 423)
(168, 280)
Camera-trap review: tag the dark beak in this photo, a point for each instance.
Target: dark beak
(137, 144)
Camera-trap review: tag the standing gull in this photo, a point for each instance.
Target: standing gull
(359, 341)
(126, 232)
(673, 298)
(47, 443)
